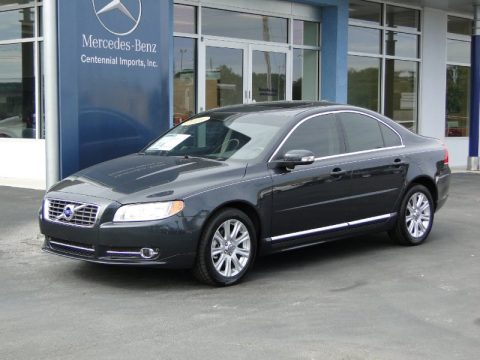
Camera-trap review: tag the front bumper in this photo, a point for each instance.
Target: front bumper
(175, 239)
(113, 256)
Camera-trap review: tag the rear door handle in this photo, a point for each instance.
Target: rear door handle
(398, 161)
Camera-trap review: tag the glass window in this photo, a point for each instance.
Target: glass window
(40, 21)
(458, 96)
(402, 18)
(361, 132)
(365, 12)
(305, 74)
(221, 136)
(306, 33)
(17, 91)
(15, 2)
(401, 44)
(184, 79)
(458, 51)
(319, 135)
(268, 76)
(365, 40)
(459, 26)
(390, 138)
(185, 19)
(242, 25)
(401, 93)
(364, 82)
(17, 24)
(224, 77)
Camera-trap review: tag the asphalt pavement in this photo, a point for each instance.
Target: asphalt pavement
(361, 298)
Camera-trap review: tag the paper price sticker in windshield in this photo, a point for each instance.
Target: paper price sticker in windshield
(168, 142)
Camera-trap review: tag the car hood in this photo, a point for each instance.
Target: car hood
(146, 178)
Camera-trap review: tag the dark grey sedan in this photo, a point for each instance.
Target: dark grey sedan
(233, 183)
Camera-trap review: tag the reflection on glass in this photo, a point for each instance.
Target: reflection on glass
(17, 24)
(184, 19)
(365, 12)
(223, 77)
(41, 118)
(400, 17)
(401, 92)
(306, 33)
(268, 76)
(458, 95)
(17, 91)
(460, 26)
(15, 2)
(305, 75)
(364, 82)
(40, 20)
(245, 26)
(364, 40)
(184, 79)
(458, 51)
(401, 44)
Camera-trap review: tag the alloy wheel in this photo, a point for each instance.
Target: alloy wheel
(231, 248)
(418, 215)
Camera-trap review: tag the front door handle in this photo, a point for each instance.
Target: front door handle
(337, 172)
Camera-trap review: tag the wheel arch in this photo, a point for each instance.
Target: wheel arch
(429, 183)
(243, 206)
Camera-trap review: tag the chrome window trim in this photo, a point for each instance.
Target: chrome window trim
(346, 153)
(333, 227)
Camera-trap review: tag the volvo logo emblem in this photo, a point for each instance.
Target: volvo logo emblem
(118, 17)
(68, 212)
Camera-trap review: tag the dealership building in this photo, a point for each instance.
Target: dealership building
(88, 80)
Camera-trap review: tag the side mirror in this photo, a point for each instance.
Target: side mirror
(296, 157)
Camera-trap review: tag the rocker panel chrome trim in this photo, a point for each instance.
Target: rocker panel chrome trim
(333, 227)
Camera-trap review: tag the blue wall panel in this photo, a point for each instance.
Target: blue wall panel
(334, 48)
(114, 78)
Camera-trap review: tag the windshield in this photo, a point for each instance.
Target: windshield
(220, 136)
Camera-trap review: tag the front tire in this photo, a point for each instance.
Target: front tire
(227, 248)
(415, 218)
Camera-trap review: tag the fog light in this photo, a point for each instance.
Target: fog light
(148, 253)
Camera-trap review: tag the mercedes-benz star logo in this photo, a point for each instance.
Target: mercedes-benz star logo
(124, 24)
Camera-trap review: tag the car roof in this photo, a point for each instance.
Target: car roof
(296, 110)
(299, 106)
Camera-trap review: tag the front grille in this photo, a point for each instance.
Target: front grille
(71, 248)
(82, 214)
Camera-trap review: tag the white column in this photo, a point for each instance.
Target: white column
(51, 91)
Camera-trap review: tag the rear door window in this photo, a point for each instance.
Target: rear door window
(362, 132)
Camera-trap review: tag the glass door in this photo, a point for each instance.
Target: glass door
(239, 73)
(269, 73)
(225, 67)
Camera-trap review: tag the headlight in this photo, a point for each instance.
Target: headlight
(147, 212)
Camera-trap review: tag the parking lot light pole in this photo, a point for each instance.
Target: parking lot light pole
(473, 159)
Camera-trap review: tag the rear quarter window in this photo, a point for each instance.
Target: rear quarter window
(390, 137)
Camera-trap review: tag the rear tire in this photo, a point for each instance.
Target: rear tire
(415, 218)
(227, 248)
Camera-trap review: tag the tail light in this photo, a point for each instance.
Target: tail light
(445, 158)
